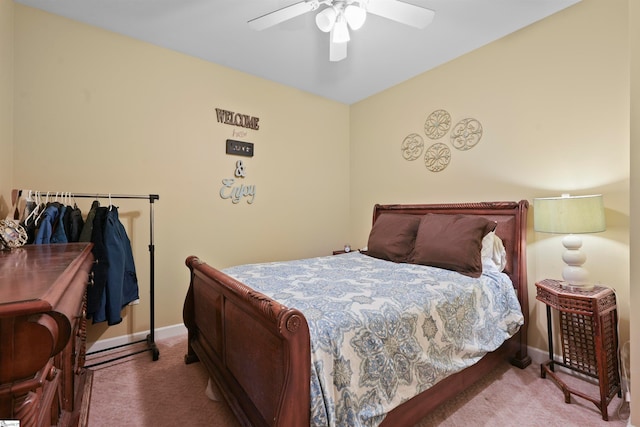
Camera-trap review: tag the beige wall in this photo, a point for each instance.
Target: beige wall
(6, 103)
(97, 112)
(553, 100)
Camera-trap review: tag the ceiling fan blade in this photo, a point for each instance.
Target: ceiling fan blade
(337, 51)
(398, 11)
(281, 15)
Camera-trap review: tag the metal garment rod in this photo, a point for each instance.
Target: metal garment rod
(151, 344)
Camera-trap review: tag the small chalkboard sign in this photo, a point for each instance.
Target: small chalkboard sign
(240, 148)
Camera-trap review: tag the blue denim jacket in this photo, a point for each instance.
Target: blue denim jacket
(48, 229)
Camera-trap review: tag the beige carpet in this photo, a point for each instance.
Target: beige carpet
(137, 391)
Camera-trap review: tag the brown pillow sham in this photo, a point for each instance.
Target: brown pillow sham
(392, 237)
(453, 242)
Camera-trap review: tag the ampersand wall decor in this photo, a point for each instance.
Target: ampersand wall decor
(235, 189)
(239, 173)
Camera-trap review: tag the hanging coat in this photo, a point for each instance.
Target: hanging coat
(59, 234)
(86, 235)
(76, 223)
(100, 265)
(121, 286)
(46, 224)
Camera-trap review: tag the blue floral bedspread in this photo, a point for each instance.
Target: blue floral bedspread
(382, 332)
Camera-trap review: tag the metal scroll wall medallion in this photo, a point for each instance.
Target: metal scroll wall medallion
(412, 146)
(437, 124)
(464, 135)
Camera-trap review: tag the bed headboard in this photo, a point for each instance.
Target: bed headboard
(511, 219)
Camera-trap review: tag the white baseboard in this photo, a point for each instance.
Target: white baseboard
(537, 356)
(159, 333)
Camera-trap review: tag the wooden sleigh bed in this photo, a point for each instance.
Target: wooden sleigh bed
(258, 351)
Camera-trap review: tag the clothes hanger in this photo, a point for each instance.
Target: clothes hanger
(36, 198)
(34, 213)
(46, 204)
(30, 205)
(95, 202)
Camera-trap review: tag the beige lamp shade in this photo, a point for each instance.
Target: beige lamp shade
(569, 214)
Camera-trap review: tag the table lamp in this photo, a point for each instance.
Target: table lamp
(570, 215)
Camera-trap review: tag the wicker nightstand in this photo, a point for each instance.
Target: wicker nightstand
(589, 338)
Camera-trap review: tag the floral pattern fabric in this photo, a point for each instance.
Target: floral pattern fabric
(382, 332)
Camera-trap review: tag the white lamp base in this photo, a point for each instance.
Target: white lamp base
(574, 275)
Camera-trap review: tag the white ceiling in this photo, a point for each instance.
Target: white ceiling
(381, 54)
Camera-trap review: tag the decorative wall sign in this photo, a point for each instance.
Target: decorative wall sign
(437, 124)
(239, 148)
(237, 119)
(466, 134)
(231, 190)
(437, 157)
(235, 189)
(412, 146)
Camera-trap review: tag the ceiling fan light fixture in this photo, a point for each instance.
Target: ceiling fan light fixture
(326, 19)
(355, 16)
(339, 16)
(340, 33)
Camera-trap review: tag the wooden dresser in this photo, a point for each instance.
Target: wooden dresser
(43, 334)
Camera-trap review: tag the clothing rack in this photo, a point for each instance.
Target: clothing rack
(150, 339)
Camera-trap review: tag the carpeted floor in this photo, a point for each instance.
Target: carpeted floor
(137, 391)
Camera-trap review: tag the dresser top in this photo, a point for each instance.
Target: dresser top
(29, 274)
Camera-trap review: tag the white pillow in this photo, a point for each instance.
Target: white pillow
(494, 256)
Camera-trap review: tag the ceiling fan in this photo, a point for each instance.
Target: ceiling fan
(340, 15)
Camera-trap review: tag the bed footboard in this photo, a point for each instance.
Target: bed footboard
(255, 349)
